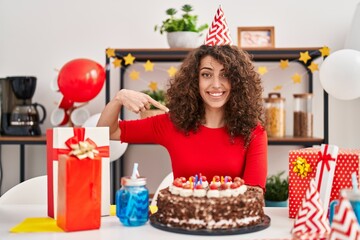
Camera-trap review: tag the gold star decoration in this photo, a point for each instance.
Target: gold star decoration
(110, 52)
(284, 64)
(153, 86)
(304, 56)
(262, 70)
(149, 66)
(296, 78)
(134, 75)
(313, 67)
(117, 62)
(171, 71)
(301, 167)
(278, 88)
(129, 59)
(325, 51)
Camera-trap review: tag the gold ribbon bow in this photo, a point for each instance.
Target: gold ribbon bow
(83, 149)
(301, 167)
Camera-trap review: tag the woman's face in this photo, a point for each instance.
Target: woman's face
(213, 84)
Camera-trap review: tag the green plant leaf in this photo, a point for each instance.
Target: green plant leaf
(277, 188)
(187, 21)
(158, 95)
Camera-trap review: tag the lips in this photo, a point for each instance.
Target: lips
(216, 94)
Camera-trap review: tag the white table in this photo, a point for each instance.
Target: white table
(111, 228)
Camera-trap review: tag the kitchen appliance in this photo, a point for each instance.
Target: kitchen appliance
(19, 116)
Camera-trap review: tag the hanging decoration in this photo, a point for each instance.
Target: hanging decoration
(149, 66)
(129, 59)
(295, 78)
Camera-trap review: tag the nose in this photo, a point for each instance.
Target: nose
(216, 82)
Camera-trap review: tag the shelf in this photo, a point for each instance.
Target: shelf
(178, 54)
(23, 139)
(289, 140)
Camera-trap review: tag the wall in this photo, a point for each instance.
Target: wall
(38, 36)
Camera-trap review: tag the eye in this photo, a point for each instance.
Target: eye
(224, 75)
(206, 75)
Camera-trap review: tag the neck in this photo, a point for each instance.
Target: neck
(214, 119)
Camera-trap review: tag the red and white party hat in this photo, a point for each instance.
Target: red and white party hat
(219, 31)
(345, 224)
(311, 218)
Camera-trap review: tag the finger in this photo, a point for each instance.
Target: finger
(133, 107)
(158, 105)
(147, 105)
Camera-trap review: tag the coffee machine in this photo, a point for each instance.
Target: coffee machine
(19, 116)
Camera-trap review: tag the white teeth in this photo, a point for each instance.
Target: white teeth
(216, 94)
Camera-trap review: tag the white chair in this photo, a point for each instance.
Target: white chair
(166, 182)
(31, 191)
(117, 148)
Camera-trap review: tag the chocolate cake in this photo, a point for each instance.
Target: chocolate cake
(218, 206)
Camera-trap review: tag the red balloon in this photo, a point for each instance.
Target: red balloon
(80, 80)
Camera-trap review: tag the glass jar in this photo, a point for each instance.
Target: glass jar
(132, 202)
(275, 115)
(303, 115)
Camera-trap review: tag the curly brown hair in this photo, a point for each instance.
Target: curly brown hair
(244, 109)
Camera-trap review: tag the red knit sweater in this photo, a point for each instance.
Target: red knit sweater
(209, 151)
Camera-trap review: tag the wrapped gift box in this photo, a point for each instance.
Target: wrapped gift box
(348, 161)
(79, 193)
(56, 139)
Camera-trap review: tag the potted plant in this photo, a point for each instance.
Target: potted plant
(158, 95)
(182, 32)
(277, 190)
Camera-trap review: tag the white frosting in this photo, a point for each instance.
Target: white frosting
(213, 193)
(175, 190)
(210, 193)
(212, 224)
(205, 184)
(243, 189)
(186, 192)
(240, 190)
(243, 221)
(225, 193)
(199, 192)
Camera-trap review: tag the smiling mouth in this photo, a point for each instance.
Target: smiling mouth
(216, 94)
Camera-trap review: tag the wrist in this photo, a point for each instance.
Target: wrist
(118, 97)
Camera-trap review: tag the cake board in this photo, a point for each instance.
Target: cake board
(217, 232)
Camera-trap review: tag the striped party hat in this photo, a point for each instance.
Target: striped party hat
(311, 222)
(345, 224)
(219, 31)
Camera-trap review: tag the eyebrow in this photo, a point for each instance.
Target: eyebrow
(208, 68)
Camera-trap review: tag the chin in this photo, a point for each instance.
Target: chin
(216, 105)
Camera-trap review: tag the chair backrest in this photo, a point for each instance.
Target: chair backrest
(31, 191)
(166, 182)
(117, 148)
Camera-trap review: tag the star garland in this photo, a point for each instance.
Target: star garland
(296, 78)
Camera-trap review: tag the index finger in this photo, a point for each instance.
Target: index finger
(157, 104)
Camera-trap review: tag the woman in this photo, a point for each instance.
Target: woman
(214, 126)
